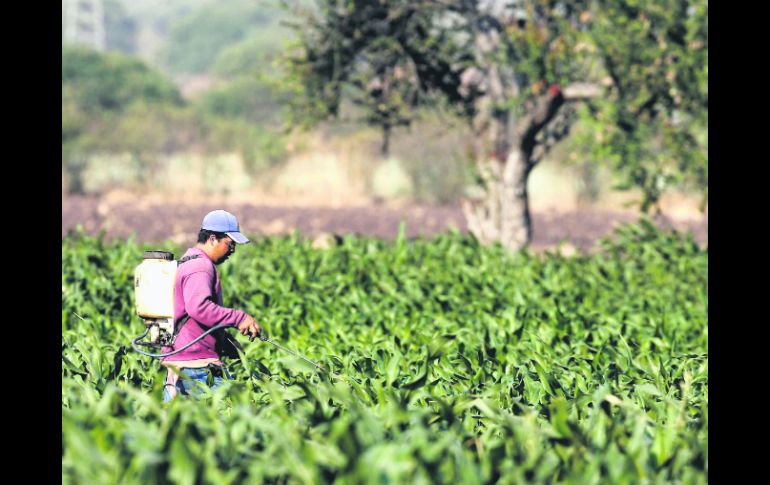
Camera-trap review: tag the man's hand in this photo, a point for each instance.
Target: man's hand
(249, 326)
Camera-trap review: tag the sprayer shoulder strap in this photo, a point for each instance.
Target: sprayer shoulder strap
(187, 258)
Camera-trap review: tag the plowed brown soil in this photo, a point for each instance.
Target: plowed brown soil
(155, 221)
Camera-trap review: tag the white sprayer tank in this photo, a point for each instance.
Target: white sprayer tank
(154, 285)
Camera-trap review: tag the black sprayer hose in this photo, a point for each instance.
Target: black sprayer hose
(137, 339)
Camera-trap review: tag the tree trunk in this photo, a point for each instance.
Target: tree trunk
(515, 220)
(501, 213)
(385, 147)
(504, 158)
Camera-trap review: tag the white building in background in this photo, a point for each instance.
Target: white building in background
(83, 23)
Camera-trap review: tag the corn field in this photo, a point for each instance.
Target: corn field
(449, 362)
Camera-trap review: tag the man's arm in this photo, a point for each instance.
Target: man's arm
(199, 302)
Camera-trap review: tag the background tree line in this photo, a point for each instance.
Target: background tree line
(624, 84)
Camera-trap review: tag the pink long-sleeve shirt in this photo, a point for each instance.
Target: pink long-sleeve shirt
(198, 293)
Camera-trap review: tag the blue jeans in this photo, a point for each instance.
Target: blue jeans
(194, 378)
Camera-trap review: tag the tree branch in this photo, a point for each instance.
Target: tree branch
(647, 105)
(581, 91)
(544, 112)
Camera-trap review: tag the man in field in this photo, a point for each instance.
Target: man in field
(198, 307)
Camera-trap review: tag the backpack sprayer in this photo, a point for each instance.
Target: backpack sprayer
(154, 281)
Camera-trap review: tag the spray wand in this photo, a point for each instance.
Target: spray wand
(265, 339)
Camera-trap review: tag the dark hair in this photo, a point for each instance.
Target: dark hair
(204, 235)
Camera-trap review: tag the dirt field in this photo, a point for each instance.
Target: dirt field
(152, 220)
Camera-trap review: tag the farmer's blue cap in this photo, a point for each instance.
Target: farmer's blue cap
(223, 221)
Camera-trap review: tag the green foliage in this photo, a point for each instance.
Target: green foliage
(195, 40)
(255, 54)
(452, 363)
(246, 98)
(652, 129)
(97, 82)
